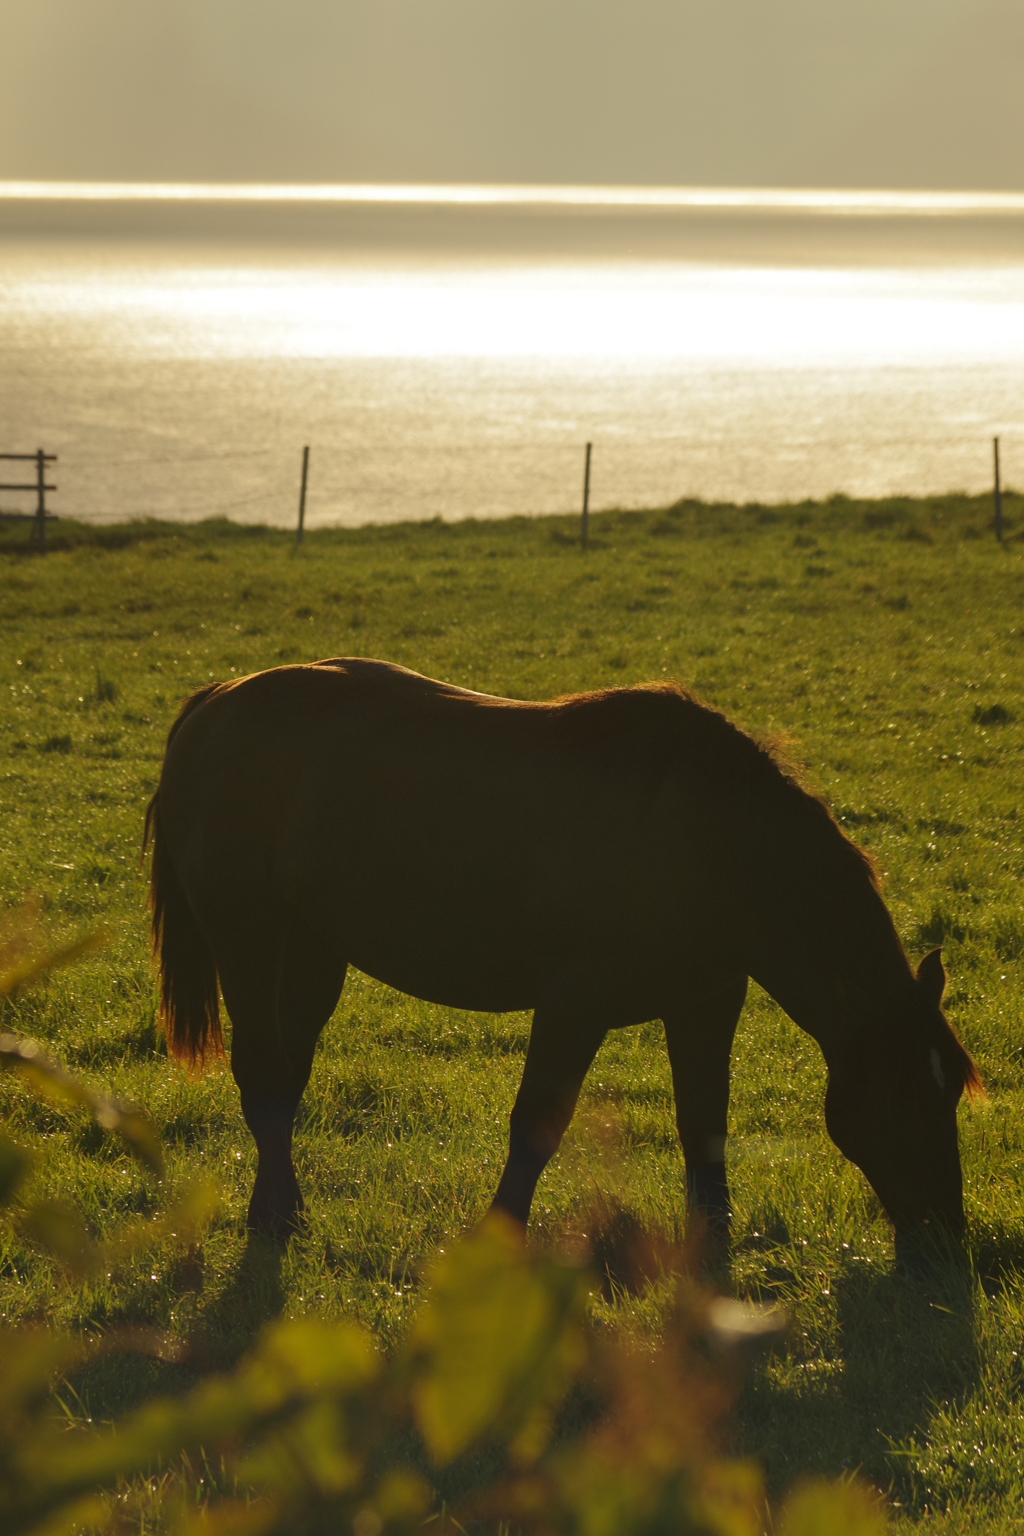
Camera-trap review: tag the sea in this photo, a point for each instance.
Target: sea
(450, 351)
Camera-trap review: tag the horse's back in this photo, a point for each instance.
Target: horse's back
(357, 716)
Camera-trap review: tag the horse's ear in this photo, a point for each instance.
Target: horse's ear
(931, 976)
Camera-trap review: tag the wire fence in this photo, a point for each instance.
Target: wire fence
(372, 481)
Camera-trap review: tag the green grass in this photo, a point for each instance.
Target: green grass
(887, 639)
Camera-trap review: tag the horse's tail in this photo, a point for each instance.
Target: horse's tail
(189, 999)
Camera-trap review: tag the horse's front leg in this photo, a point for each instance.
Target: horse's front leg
(699, 1042)
(560, 1052)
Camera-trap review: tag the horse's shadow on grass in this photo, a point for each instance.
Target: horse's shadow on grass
(136, 1367)
(254, 1294)
(903, 1347)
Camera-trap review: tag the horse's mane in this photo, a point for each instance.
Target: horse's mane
(674, 722)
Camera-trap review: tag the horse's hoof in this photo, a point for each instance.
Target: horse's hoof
(274, 1224)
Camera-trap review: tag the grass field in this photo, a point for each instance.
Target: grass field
(887, 639)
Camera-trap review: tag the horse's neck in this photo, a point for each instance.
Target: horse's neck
(838, 969)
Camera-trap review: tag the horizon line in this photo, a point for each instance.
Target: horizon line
(837, 201)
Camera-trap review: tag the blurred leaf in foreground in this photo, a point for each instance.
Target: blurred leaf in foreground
(832, 1509)
(15, 1164)
(52, 1082)
(26, 957)
(57, 1226)
(311, 1430)
(496, 1345)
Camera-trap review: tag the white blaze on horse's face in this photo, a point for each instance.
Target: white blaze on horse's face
(937, 1072)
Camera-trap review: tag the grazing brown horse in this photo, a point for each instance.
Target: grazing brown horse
(603, 859)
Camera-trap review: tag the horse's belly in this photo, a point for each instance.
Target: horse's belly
(504, 967)
(453, 966)
(452, 988)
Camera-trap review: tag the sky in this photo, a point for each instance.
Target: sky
(817, 93)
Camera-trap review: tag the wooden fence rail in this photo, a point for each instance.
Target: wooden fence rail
(39, 485)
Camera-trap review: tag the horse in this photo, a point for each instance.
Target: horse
(602, 859)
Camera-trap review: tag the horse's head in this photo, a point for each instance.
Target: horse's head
(891, 1109)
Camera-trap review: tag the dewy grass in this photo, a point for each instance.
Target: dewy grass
(886, 640)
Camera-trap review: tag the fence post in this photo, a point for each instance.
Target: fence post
(585, 517)
(302, 496)
(998, 490)
(41, 500)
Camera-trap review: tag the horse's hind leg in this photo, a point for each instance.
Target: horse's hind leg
(278, 1006)
(699, 1045)
(561, 1050)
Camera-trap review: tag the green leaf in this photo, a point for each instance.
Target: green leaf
(24, 961)
(832, 1509)
(29, 1360)
(57, 1226)
(729, 1499)
(311, 1356)
(496, 1344)
(52, 1082)
(14, 1166)
(180, 1224)
(293, 1365)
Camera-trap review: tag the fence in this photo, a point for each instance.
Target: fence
(267, 470)
(39, 485)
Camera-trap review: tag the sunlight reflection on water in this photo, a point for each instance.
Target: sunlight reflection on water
(183, 381)
(683, 312)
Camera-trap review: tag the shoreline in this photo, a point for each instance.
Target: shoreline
(956, 514)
